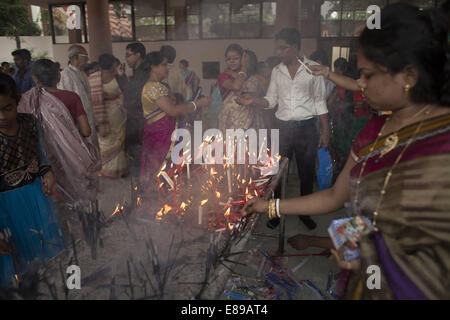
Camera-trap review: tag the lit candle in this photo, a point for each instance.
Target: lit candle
(200, 214)
(188, 172)
(167, 178)
(229, 179)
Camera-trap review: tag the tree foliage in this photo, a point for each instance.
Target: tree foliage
(14, 20)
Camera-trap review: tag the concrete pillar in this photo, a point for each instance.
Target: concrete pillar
(181, 31)
(98, 28)
(287, 14)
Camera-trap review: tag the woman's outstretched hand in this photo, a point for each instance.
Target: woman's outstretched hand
(203, 102)
(354, 265)
(256, 205)
(244, 100)
(4, 247)
(319, 70)
(48, 182)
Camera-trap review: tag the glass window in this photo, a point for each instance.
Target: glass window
(330, 18)
(150, 20)
(424, 4)
(68, 24)
(269, 15)
(355, 15)
(193, 19)
(120, 21)
(245, 20)
(216, 20)
(183, 19)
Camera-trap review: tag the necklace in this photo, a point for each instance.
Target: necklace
(357, 209)
(391, 142)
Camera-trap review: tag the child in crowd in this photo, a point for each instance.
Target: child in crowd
(29, 227)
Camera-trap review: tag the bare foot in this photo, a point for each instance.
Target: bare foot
(302, 241)
(299, 241)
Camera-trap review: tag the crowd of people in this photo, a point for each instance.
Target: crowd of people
(63, 129)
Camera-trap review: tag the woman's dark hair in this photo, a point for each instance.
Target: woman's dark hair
(154, 58)
(185, 63)
(253, 63)
(8, 87)
(234, 47)
(46, 71)
(291, 36)
(90, 66)
(169, 53)
(409, 36)
(106, 61)
(341, 63)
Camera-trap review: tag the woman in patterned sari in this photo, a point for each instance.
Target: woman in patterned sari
(240, 77)
(110, 117)
(398, 172)
(160, 114)
(190, 77)
(29, 227)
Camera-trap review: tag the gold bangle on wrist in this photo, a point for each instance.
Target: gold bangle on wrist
(272, 209)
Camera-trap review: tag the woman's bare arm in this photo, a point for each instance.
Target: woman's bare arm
(318, 203)
(166, 104)
(83, 126)
(340, 80)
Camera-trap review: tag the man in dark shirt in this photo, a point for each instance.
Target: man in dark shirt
(135, 55)
(23, 76)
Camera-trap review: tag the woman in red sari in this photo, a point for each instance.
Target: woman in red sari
(398, 172)
(160, 114)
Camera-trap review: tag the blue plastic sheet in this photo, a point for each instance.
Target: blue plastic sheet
(324, 169)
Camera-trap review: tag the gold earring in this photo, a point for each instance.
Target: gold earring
(407, 87)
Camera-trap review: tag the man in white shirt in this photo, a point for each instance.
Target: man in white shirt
(74, 79)
(300, 97)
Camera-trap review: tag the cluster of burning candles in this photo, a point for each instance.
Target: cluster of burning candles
(216, 192)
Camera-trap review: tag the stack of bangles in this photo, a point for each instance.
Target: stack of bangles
(274, 208)
(195, 105)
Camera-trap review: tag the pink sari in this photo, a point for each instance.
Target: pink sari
(74, 161)
(156, 144)
(158, 128)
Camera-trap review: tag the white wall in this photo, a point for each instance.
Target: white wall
(40, 45)
(198, 51)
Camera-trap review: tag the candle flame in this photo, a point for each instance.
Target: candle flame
(203, 202)
(136, 188)
(138, 201)
(117, 210)
(17, 278)
(218, 194)
(163, 211)
(183, 205)
(227, 213)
